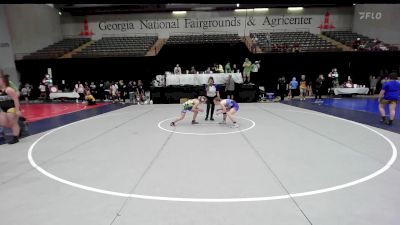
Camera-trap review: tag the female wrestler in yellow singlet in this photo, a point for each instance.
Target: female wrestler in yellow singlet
(9, 105)
(191, 105)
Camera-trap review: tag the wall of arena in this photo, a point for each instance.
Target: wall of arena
(378, 21)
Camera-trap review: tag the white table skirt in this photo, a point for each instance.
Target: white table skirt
(200, 79)
(64, 95)
(348, 91)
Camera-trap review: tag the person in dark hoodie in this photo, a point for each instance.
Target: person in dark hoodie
(319, 84)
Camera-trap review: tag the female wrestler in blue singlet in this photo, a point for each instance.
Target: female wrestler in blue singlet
(228, 107)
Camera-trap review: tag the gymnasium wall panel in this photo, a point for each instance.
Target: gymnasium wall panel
(378, 21)
(7, 64)
(32, 26)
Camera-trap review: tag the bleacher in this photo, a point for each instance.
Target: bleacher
(348, 37)
(345, 37)
(58, 49)
(203, 39)
(293, 41)
(118, 47)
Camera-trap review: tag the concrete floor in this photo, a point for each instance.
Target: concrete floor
(202, 179)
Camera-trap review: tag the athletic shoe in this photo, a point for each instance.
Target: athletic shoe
(13, 141)
(23, 127)
(206, 118)
(235, 126)
(194, 122)
(172, 124)
(389, 122)
(212, 119)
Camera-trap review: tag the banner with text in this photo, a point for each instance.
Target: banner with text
(165, 24)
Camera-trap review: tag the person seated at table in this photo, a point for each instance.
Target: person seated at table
(215, 68)
(348, 84)
(220, 68)
(177, 69)
(235, 69)
(208, 70)
(193, 70)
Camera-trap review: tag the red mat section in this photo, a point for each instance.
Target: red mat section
(35, 112)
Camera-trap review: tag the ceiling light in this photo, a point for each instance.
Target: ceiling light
(60, 13)
(203, 8)
(261, 9)
(295, 8)
(237, 5)
(178, 12)
(241, 10)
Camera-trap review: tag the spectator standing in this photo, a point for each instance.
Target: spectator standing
(228, 68)
(114, 91)
(140, 95)
(93, 89)
(80, 90)
(282, 87)
(303, 87)
(384, 80)
(319, 83)
(100, 90)
(309, 89)
(42, 89)
(255, 67)
(132, 92)
(246, 70)
(372, 84)
(230, 87)
(293, 88)
(268, 41)
(124, 92)
(254, 41)
(30, 88)
(25, 93)
(107, 91)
